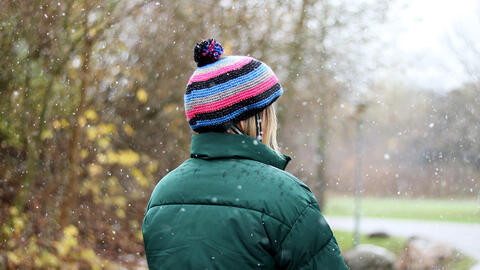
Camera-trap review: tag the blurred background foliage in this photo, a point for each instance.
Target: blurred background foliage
(91, 115)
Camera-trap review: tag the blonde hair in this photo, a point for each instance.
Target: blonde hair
(269, 127)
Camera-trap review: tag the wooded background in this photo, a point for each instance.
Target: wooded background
(91, 115)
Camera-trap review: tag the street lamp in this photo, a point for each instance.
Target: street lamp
(361, 107)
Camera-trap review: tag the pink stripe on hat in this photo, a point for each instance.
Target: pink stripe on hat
(233, 99)
(209, 75)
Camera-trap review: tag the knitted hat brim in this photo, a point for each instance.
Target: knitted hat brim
(238, 112)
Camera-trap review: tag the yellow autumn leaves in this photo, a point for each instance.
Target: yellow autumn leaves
(67, 248)
(91, 116)
(142, 95)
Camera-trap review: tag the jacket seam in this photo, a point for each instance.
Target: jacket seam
(272, 250)
(219, 204)
(301, 184)
(197, 156)
(294, 223)
(316, 253)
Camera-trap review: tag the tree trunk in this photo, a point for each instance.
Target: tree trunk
(70, 198)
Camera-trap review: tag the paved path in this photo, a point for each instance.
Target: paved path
(463, 236)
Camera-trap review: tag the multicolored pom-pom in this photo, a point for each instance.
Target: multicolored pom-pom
(207, 52)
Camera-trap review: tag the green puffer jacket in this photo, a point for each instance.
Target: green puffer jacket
(232, 206)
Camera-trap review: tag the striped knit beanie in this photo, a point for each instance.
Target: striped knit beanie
(226, 89)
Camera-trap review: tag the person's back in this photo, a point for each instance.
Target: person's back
(232, 206)
(229, 208)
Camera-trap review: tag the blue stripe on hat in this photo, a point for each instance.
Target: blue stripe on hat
(205, 92)
(228, 117)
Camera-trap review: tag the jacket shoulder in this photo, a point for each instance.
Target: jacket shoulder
(239, 183)
(167, 187)
(284, 195)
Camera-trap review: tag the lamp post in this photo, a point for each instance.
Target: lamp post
(358, 169)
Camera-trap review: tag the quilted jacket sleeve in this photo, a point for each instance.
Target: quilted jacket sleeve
(310, 244)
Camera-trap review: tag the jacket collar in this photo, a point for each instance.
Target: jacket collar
(214, 145)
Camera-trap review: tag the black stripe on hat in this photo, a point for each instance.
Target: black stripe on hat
(225, 77)
(234, 107)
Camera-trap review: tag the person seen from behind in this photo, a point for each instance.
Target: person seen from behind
(232, 205)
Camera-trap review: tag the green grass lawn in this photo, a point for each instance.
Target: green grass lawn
(457, 210)
(395, 245)
(345, 241)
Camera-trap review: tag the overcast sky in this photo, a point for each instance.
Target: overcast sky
(417, 41)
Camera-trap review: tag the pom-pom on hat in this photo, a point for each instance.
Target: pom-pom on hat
(224, 90)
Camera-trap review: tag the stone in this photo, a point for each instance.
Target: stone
(379, 234)
(420, 253)
(369, 257)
